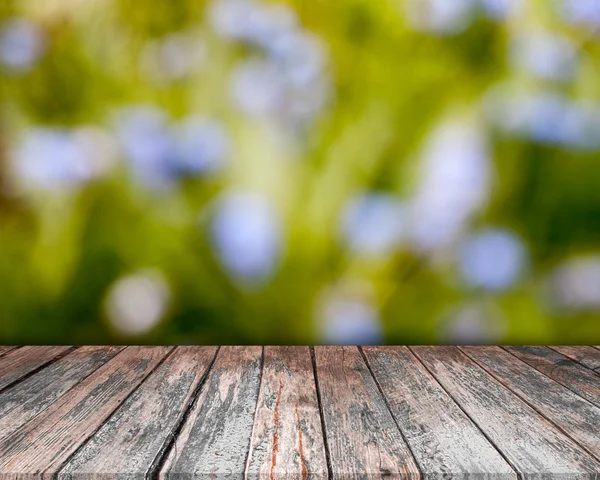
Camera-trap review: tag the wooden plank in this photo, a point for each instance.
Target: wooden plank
(5, 349)
(44, 443)
(565, 371)
(578, 418)
(138, 432)
(287, 439)
(532, 444)
(588, 356)
(19, 362)
(215, 439)
(442, 437)
(28, 398)
(363, 439)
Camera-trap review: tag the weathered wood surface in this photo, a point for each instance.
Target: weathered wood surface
(106, 413)
(586, 355)
(41, 445)
(362, 436)
(287, 441)
(579, 419)
(215, 439)
(5, 349)
(18, 363)
(31, 396)
(138, 432)
(532, 444)
(565, 371)
(440, 434)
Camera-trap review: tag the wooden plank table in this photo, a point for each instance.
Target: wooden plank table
(299, 412)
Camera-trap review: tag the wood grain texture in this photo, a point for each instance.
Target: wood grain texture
(17, 363)
(5, 349)
(578, 418)
(41, 446)
(530, 443)
(565, 371)
(117, 413)
(215, 439)
(26, 399)
(441, 436)
(287, 441)
(586, 355)
(137, 433)
(363, 439)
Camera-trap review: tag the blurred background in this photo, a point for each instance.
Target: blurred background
(257, 171)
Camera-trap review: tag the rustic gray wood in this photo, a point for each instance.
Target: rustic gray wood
(215, 438)
(44, 443)
(363, 439)
(443, 439)
(578, 418)
(28, 398)
(586, 355)
(287, 441)
(139, 430)
(133, 413)
(5, 349)
(565, 371)
(17, 363)
(532, 444)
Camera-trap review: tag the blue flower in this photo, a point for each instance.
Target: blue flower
(545, 117)
(582, 12)
(374, 224)
(201, 145)
(301, 57)
(259, 88)
(501, 9)
(252, 22)
(21, 44)
(492, 260)
(454, 183)
(546, 55)
(230, 18)
(147, 145)
(268, 23)
(51, 158)
(247, 236)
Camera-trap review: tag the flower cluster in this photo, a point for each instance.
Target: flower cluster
(286, 79)
(160, 151)
(416, 210)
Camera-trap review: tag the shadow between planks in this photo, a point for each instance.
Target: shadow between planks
(283, 412)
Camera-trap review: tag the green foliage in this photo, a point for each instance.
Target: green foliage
(391, 85)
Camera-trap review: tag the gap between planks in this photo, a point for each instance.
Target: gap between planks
(169, 443)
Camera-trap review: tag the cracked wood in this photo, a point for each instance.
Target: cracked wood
(362, 437)
(287, 440)
(531, 443)
(442, 437)
(215, 439)
(41, 445)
